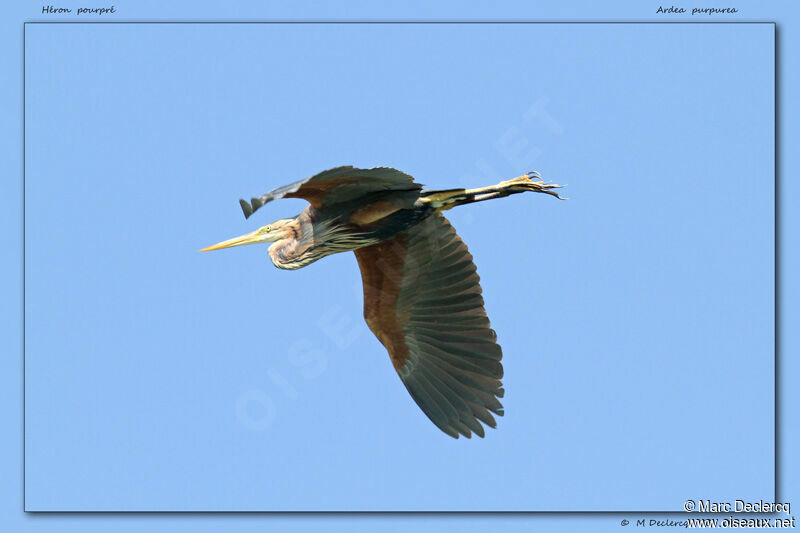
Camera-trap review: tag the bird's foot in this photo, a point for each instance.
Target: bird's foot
(532, 181)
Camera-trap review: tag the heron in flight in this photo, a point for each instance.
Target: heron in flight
(422, 297)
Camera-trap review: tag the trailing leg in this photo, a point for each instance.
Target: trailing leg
(447, 199)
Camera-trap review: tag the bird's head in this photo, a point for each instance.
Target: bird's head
(276, 231)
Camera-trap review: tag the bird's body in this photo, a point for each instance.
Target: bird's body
(422, 296)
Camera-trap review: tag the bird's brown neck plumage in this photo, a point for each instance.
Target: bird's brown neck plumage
(291, 252)
(315, 233)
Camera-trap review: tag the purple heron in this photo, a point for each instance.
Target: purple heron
(422, 296)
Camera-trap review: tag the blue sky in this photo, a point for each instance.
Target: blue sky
(636, 319)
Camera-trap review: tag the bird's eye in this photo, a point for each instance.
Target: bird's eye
(269, 228)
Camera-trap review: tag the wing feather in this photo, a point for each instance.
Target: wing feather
(422, 299)
(340, 184)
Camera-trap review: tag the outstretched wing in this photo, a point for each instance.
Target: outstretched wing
(337, 185)
(422, 299)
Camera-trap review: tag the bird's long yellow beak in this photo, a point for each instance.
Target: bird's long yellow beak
(250, 238)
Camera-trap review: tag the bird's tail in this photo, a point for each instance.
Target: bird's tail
(448, 198)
